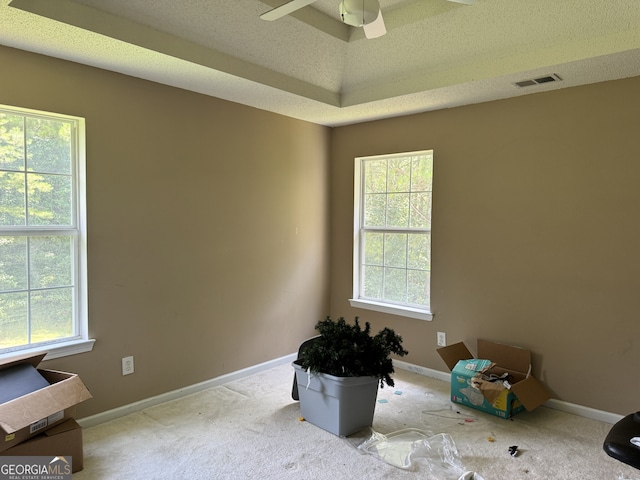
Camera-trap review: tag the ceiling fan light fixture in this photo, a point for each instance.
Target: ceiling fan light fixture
(358, 13)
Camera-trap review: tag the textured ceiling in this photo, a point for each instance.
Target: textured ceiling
(436, 54)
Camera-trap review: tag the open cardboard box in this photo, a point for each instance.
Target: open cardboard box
(524, 390)
(35, 412)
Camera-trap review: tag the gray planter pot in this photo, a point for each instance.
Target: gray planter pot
(340, 405)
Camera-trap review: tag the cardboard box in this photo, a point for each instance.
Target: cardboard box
(503, 400)
(62, 440)
(33, 413)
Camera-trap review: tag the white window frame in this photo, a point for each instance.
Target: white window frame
(80, 342)
(357, 300)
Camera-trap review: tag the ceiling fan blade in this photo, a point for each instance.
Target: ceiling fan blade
(466, 2)
(285, 9)
(376, 28)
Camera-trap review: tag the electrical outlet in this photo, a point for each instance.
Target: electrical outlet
(127, 365)
(442, 339)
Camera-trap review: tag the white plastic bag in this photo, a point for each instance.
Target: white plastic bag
(405, 448)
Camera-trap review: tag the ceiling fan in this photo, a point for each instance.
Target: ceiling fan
(357, 13)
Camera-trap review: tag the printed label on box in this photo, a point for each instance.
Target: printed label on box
(39, 425)
(50, 420)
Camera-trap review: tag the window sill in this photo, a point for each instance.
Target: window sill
(55, 350)
(392, 309)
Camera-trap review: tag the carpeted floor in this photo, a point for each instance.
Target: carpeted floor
(250, 428)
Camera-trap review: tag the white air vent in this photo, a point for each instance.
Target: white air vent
(554, 77)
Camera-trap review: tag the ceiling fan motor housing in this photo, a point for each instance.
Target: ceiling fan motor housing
(359, 12)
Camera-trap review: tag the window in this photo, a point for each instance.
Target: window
(392, 235)
(43, 291)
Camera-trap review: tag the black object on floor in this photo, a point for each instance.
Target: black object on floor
(303, 346)
(618, 444)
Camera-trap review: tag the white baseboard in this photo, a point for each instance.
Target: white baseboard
(424, 371)
(583, 411)
(183, 392)
(115, 413)
(553, 403)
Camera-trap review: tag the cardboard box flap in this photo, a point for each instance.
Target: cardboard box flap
(24, 411)
(33, 360)
(531, 393)
(506, 356)
(19, 380)
(65, 426)
(454, 353)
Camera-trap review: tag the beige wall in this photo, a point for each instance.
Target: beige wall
(209, 227)
(536, 233)
(208, 240)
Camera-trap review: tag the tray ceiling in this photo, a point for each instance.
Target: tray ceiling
(309, 65)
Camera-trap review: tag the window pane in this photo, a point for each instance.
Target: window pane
(14, 324)
(398, 210)
(419, 251)
(420, 210)
(11, 142)
(395, 285)
(51, 314)
(51, 261)
(13, 264)
(375, 210)
(395, 250)
(399, 175)
(12, 204)
(422, 173)
(419, 287)
(49, 199)
(375, 176)
(48, 146)
(373, 282)
(373, 248)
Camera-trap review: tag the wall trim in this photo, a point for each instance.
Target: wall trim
(115, 413)
(553, 403)
(583, 411)
(183, 392)
(424, 371)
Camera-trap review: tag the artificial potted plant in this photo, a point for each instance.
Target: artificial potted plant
(339, 372)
